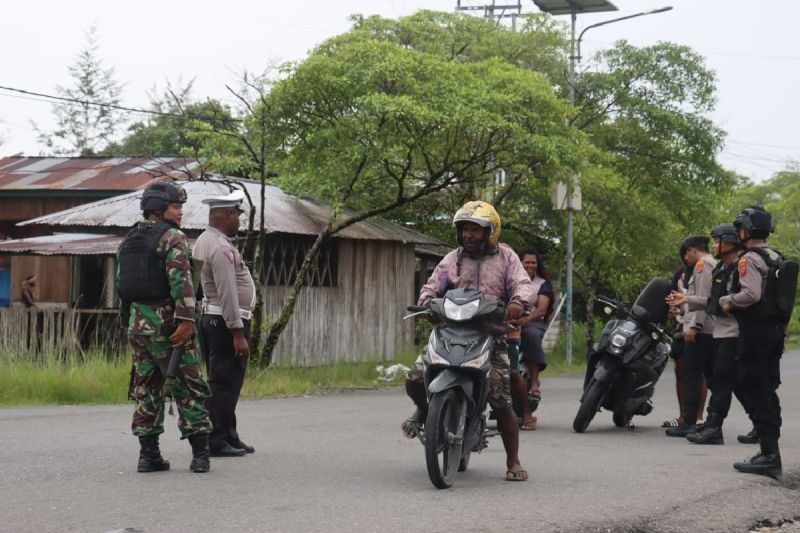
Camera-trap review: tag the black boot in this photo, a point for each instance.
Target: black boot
(150, 459)
(710, 433)
(200, 453)
(766, 463)
(750, 438)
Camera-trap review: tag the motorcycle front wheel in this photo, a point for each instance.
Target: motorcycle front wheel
(589, 405)
(442, 448)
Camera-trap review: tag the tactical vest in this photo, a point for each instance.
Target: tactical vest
(777, 300)
(719, 287)
(142, 270)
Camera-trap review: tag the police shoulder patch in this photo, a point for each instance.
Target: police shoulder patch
(700, 266)
(230, 255)
(742, 267)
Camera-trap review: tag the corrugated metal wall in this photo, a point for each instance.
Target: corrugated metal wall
(359, 319)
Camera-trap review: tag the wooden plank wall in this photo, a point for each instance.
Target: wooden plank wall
(359, 319)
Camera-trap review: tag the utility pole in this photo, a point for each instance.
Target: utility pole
(493, 11)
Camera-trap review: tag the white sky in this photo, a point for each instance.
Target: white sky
(753, 47)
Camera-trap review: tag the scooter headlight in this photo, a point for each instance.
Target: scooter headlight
(618, 342)
(457, 313)
(435, 358)
(479, 361)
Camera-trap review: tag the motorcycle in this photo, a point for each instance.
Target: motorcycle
(457, 363)
(625, 365)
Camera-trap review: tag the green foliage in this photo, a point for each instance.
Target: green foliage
(83, 129)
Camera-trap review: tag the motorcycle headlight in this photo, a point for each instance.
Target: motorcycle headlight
(435, 358)
(479, 361)
(618, 341)
(456, 312)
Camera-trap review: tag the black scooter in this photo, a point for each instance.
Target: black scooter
(457, 367)
(625, 365)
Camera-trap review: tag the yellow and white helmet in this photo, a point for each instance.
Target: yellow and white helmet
(482, 214)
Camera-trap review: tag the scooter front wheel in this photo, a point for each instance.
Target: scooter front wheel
(443, 447)
(589, 405)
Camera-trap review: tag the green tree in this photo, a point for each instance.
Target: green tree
(82, 127)
(373, 126)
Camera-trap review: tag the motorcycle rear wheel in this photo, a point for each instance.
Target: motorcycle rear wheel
(589, 405)
(442, 452)
(464, 463)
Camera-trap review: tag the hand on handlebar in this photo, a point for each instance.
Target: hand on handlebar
(514, 311)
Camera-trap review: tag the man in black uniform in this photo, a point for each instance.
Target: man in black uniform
(761, 338)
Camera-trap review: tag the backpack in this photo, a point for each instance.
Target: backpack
(779, 296)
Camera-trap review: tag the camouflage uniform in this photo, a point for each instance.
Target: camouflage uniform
(149, 328)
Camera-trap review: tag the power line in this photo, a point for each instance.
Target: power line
(783, 147)
(100, 104)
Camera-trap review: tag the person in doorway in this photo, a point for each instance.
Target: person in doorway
(28, 295)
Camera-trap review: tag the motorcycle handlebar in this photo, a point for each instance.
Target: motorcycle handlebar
(416, 308)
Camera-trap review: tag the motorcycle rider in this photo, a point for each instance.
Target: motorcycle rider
(761, 339)
(479, 263)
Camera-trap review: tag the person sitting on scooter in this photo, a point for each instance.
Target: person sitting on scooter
(479, 263)
(533, 329)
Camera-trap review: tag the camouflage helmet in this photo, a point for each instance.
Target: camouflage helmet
(482, 214)
(159, 194)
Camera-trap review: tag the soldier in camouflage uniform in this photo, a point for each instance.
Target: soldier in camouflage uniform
(158, 307)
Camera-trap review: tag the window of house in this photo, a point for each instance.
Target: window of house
(284, 255)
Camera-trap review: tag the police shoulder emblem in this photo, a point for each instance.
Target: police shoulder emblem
(229, 254)
(700, 266)
(742, 267)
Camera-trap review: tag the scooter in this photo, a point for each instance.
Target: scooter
(457, 363)
(627, 362)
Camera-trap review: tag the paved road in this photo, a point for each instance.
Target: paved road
(339, 463)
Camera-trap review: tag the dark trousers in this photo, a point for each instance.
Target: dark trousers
(225, 376)
(758, 379)
(724, 378)
(698, 362)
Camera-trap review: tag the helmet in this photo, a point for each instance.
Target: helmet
(725, 233)
(756, 220)
(482, 214)
(159, 194)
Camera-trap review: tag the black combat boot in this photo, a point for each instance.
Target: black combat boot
(710, 433)
(766, 463)
(200, 453)
(150, 459)
(750, 438)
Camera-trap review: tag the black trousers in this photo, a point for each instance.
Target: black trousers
(698, 362)
(225, 376)
(723, 380)
(759, 376)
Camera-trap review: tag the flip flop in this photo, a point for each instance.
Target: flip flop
(530, 426)
(533, 400)
(516, 473)
(671, 423)
(411, 428)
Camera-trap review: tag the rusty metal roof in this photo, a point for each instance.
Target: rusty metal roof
(90, 173)
(283, 214)
(63, 244)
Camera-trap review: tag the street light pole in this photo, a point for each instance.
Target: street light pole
(572, 183)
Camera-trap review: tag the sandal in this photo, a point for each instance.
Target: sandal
(411, 428)
(530, 426)
(671, 423)
(533, 400)
(516, 473)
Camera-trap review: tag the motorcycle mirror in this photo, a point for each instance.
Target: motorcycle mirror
(607, 310)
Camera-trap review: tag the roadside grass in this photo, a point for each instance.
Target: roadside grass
(94, 378)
